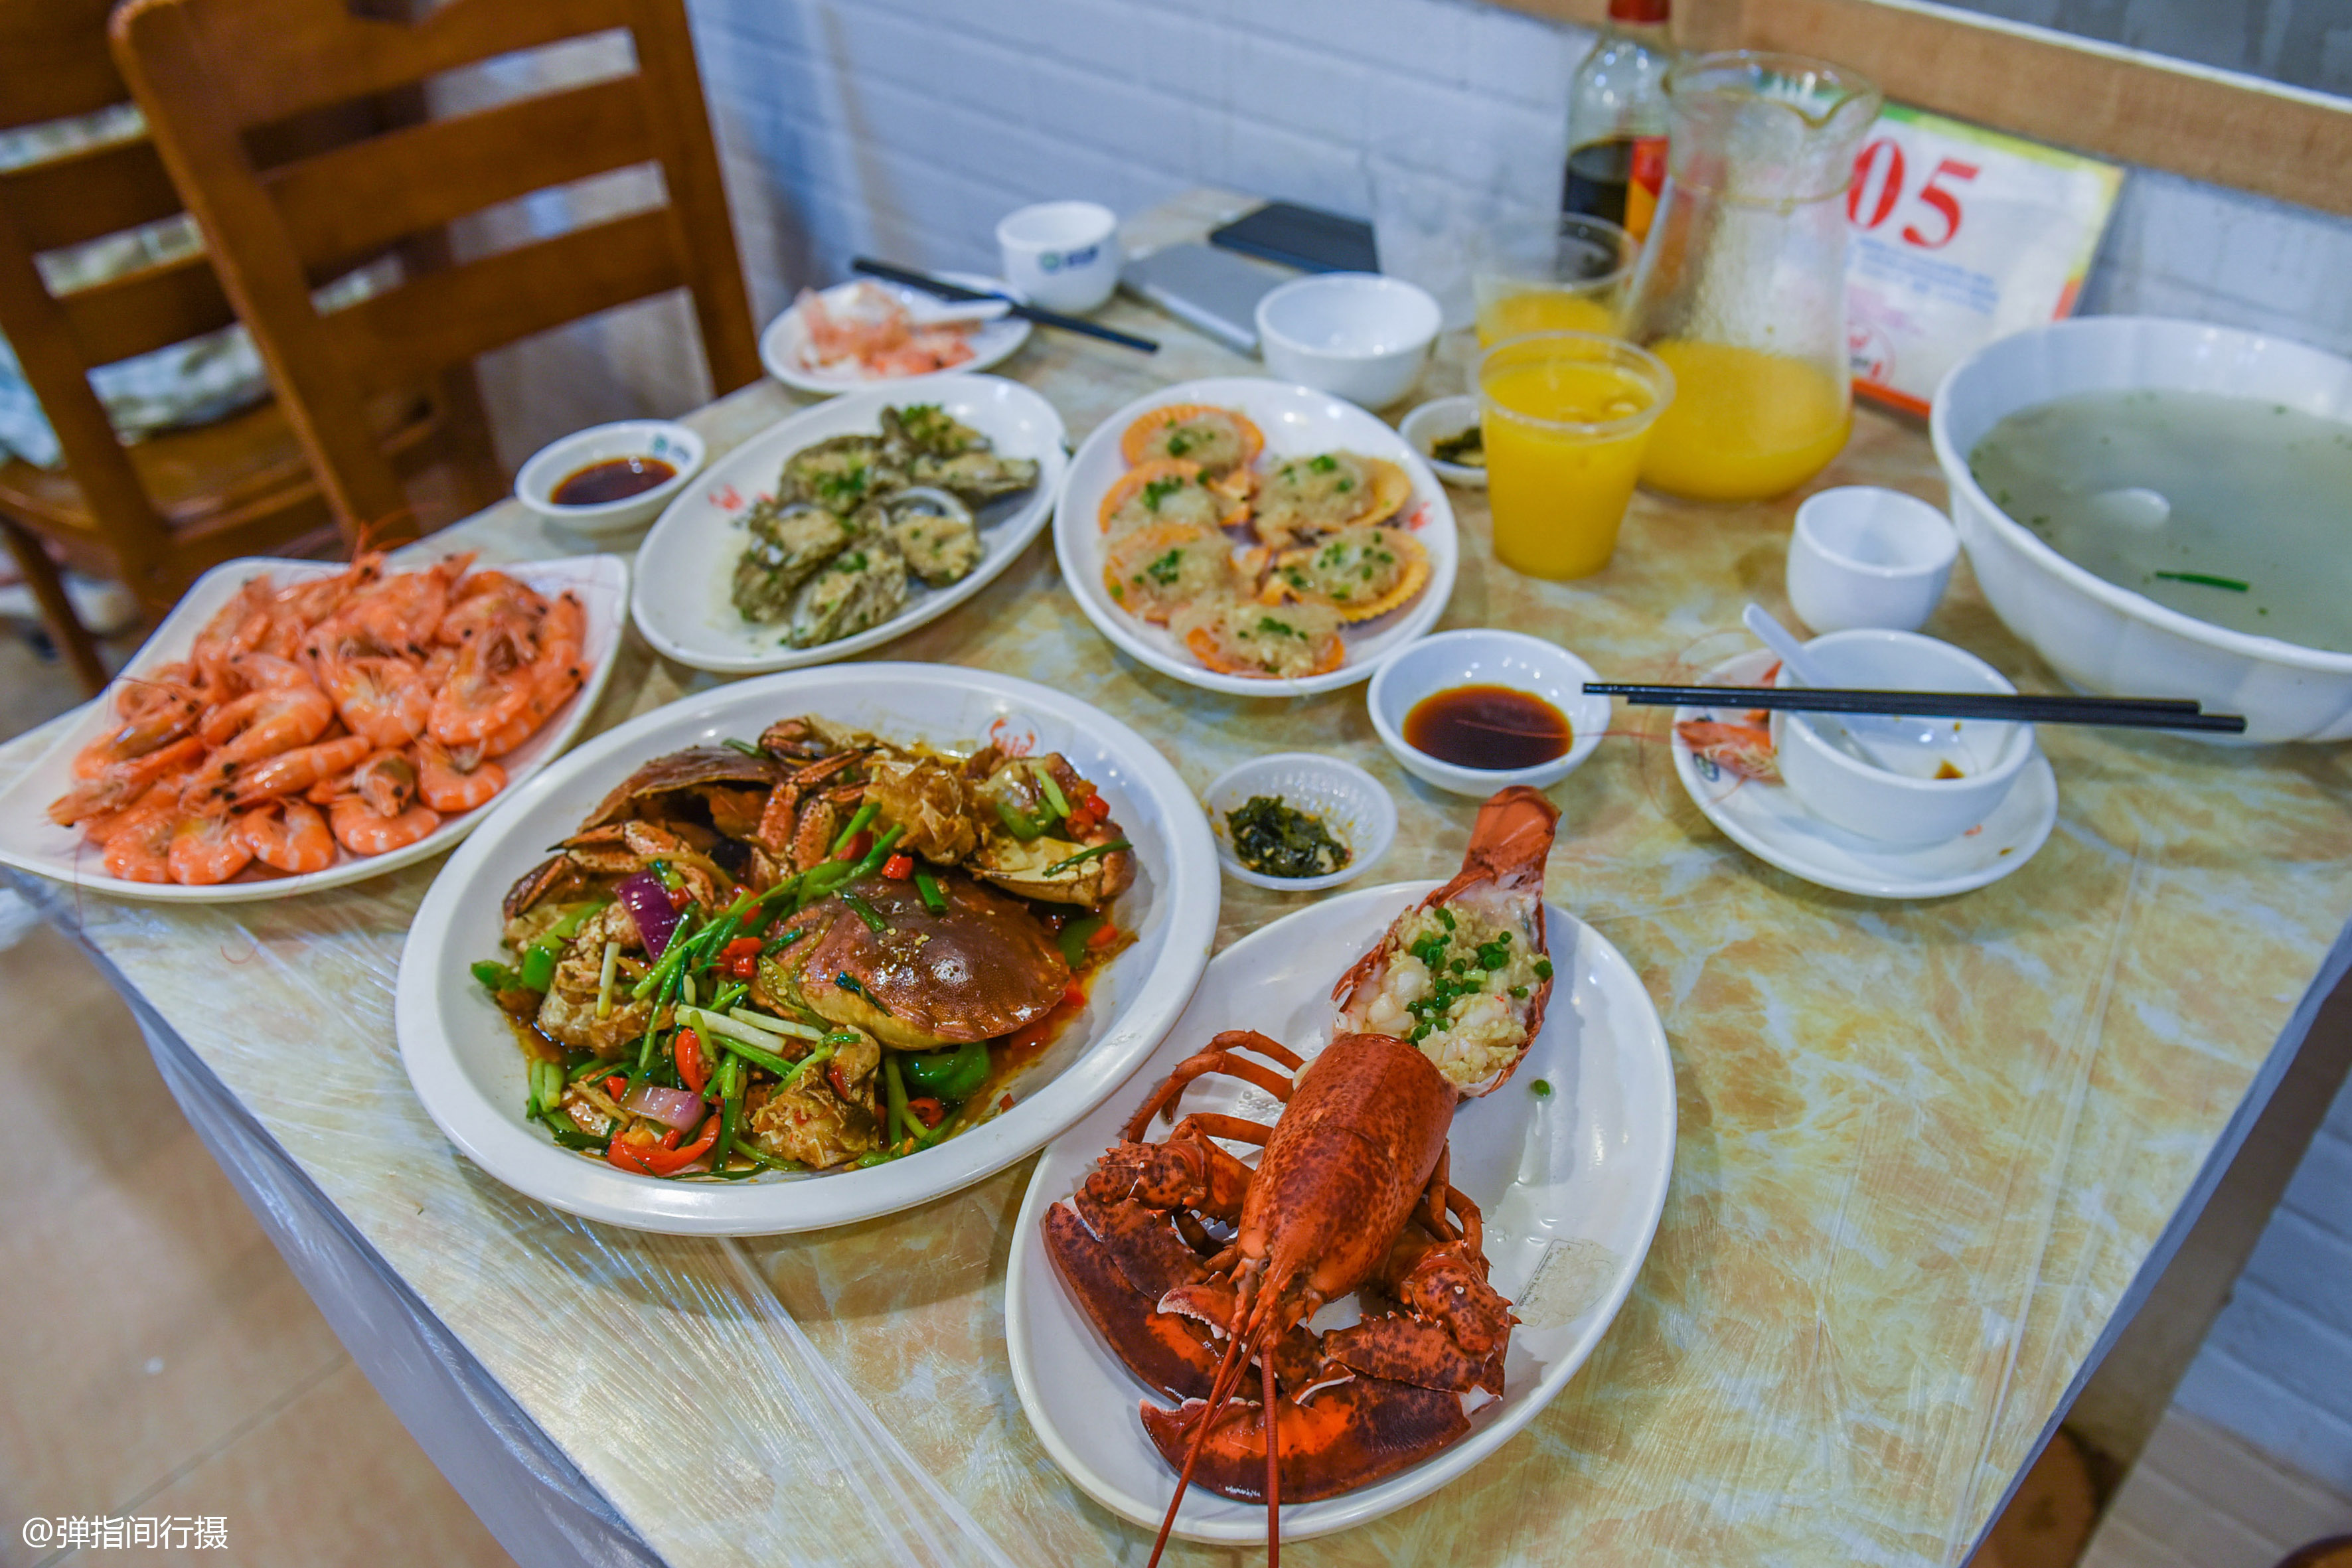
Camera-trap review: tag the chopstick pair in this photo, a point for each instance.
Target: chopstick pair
(2122, 713)
(1012, 307)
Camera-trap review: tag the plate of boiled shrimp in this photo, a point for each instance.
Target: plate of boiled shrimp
(296, 725)
(1455, 1103)
(1255, 537)
(869, 332)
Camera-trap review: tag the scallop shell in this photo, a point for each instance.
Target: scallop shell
(1143, 544)
(1411, 581)
(1131, 442)
(1142, 474)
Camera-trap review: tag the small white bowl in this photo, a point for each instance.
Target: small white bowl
(1352, 803)
(558, 460)
(1861, 556)
(1063, 256)
(1432, 422)
(1479, 656)
(1910, 809)
(1358, 335)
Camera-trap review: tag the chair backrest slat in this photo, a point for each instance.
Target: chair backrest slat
(152, 307)
(212, 75)
(357, 198)
(89, 193)
(449, 316)
(54, 62)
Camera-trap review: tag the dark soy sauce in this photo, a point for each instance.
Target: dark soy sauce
(1493, 727)
(614, 478)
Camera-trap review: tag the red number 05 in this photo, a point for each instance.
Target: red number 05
(1890, 190)
(1943, 200)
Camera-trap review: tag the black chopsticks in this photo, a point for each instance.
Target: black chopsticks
(2127, 713)
(946, 290)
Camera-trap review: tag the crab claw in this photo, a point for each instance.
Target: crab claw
(1166, 1352)
(1342, 1437)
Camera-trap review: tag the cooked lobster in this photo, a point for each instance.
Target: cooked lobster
(1351, 1196)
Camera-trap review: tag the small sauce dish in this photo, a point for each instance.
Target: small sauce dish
(1356, 335)
(1915, 782)
(1451, 661)
(1354, 808)
(1442, 419)
(604, 447)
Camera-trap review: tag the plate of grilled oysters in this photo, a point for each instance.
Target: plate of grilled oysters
(1391, 1175)
(808, 948)
(850, 523)
(1254, 537)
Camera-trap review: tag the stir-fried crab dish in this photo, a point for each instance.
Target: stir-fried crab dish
(814, 949)
(1314, 542)
(856, 522)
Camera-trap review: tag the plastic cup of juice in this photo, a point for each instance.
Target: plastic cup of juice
(1551, 274)
(1565, 417)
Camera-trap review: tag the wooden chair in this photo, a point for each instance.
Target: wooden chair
(158, 512)
(211, 74)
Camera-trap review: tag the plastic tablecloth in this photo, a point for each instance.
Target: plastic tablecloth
(1930, 1153)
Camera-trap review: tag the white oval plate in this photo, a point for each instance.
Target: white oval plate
(31, 842)
(681, 603)
(1571, 1186)
(783, 346)
(1770, 823)
(462, 1058)
(1298, 420)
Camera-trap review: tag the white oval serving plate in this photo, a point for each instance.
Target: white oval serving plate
(1571, 1183)
(1297, 421)
(784, 346)
(31, 842)
(463, 1060)
(1770, 823)
(681, 600)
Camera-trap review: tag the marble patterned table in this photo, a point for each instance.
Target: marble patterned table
(1928, 1152)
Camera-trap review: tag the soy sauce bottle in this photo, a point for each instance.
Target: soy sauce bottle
(1617, 119)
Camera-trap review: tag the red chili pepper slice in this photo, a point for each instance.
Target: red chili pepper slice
(691, 1070)
(743, 967)
(617, 1086)
(739, 947)
(927, 1110)
(898, 868)
(656, 1160)
(859, 843)
(1103, 935)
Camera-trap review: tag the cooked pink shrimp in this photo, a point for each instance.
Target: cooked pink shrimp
(121, 784)
(363, 830)
(287, 835)
(264, 723)
(1744, 749)
(453, 783)
(206, 848)
(554, 675)
(488, 685)
(161, 715)
(400, 614)
(138, 843)
(291, 772)
(385, 699)
(488, 601)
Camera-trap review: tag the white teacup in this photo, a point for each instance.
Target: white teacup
(1863, 556)
(1063, 256)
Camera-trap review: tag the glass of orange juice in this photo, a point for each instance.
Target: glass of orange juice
(1565, 417)
(1550, 274)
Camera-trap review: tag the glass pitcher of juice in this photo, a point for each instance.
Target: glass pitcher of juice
(1740, 289)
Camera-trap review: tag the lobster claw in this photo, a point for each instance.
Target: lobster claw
(1345, 1436)
(1166, 1352)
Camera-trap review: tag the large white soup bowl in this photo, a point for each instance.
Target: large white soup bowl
(2107, 640)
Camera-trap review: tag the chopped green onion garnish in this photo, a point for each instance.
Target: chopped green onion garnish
(868, 913)
(1058, 867)
(928, 886)
(2203, 581)
(1054, 796)
(857, 821)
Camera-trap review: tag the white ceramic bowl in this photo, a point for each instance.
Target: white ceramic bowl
(2107, 640)
(1479, 656)
(1861, 556)
(557, 461)
(1352, 803)
(1358, 335)
(1881, 803)
(1432, 422)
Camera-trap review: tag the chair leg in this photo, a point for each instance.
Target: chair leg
(56, 611)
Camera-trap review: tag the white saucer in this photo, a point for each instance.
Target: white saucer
(1769, 821)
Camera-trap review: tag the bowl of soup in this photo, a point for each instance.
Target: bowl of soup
(2158, 507)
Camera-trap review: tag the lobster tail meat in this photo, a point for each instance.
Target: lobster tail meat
(1341, 1438)
(1466, 974)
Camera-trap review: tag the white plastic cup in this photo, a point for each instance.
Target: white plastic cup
(1865, 557)
(1063, 256)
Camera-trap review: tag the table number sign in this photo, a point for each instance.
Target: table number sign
(1960, 235)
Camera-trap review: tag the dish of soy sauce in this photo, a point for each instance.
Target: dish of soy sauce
(614, 478)
(1492, 727)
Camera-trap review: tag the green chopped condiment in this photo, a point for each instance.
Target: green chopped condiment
(1275, 839)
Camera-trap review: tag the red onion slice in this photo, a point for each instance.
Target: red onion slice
(648, 902)
(678, 1107)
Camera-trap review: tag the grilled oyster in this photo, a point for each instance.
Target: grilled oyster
(789, 542)
(975, 478)
(927, 429)
(840, 474)
(863, 586)
(933, 529)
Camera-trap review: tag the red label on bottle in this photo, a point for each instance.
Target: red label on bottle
(1645, 180)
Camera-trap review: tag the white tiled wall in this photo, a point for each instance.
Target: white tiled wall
(2277, 1367)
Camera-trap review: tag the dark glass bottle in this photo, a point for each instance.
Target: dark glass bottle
(1617, 119)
